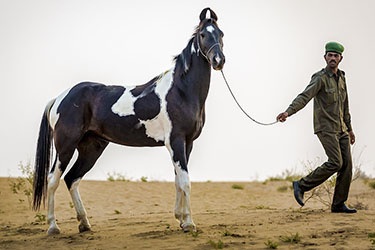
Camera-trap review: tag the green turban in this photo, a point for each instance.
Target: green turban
(334, 47)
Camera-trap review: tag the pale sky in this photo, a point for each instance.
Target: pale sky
(272, 48)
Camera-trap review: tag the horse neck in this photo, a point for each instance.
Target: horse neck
(195, 82)
(200, 73)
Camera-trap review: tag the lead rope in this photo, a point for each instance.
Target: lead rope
(230, 90)
(235, 99)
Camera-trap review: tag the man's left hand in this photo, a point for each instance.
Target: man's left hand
(352, 137)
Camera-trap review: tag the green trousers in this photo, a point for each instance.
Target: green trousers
(337, 148)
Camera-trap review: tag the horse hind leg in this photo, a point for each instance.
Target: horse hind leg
(66, 137)
(53, 183)
(54, 176)
(89, 150)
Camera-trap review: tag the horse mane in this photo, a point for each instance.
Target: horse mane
(183, 60)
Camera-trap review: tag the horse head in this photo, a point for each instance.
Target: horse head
(210, 39)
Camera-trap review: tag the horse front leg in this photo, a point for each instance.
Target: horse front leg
(183, 207)
(178, 209)
(177, 150)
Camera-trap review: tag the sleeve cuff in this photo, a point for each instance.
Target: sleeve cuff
(349, 127)
(290, 111)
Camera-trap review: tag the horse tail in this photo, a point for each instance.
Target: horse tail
(42, 159)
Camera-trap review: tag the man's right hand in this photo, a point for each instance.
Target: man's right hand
(282, 117)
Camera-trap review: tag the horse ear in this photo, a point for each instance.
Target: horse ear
(213, 15)
(202, 16)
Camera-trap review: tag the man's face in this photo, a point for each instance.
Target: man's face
(333, 59)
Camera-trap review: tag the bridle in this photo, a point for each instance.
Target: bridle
(208, 51)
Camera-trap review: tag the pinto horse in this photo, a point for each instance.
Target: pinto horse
(167, 111)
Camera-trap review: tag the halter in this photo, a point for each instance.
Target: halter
(208, 51)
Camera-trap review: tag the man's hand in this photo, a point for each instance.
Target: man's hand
(282, 117)
(352, 137)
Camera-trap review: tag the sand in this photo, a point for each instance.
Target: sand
(139, 215)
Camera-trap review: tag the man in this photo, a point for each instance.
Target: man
(332, 125)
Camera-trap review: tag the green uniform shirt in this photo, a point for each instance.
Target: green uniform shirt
(331, 107)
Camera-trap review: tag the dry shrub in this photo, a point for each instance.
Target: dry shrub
(292, 238)
(371, 184)
(24, 184)
(114, 176)
(271, 244)
(237, 186)
(324, 192)
(287, 175)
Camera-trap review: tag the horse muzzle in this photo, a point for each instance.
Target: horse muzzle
(217, 59)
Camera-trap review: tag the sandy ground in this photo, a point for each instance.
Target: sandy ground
(225, 217)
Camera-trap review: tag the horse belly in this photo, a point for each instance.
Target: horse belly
(135, 139)
(131, 131)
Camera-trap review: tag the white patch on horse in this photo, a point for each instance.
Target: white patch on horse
(183, 177)
(193, 49)
(53, 183)
(210, 28)
(81, 212)
(160, 127)
(76, 198)
(182, 206)
(53, 115)
(208, 14)
(217, 58)
(186, 68)
(125, 104)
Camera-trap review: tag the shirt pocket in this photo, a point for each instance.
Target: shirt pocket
(331, 94)
(342, 92)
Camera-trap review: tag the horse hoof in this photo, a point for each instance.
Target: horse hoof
(83, 228)
(188, 228)
(53, 231)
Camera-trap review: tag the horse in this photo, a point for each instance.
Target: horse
(169, 111)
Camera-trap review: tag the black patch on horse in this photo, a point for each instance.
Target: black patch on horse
(147, 106)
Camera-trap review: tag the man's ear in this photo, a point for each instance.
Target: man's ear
(341, 57)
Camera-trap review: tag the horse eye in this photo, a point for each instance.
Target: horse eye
(202, 35)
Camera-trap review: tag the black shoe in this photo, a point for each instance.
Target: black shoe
(298, 194)
(342, 209)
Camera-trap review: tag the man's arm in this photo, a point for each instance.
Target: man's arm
(302, 99)
(347, 118)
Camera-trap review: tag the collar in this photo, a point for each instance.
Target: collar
(330, 73)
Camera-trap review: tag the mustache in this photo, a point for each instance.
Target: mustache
(332, 61)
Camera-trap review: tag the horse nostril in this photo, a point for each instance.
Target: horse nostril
(217, 59)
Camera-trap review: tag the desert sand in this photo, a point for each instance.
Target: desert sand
(139, 215)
